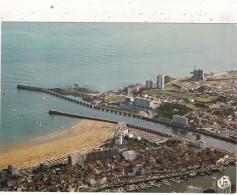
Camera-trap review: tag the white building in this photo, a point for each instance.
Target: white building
(119, 140)
(223, 185)
(149, 84)
(200, 144)
(93, 180)
(161, 81)
(130, 91)
(138, 138)
(194, 189)
(130, 135)
(129, 155)
(144, 103)
(123, 132)
(181, 120)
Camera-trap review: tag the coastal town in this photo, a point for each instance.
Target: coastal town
(205, 103)
(131, 160)
(137, 158)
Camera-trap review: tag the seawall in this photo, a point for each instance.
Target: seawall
(80, 116)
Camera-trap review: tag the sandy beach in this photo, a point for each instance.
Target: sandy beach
(86, 135)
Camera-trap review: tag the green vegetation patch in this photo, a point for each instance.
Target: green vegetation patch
(202, 99)
(223, 111)
(219, 99)
(168, 110)
(159, 92)
(172, 143)
(120, 97)
(173, 86)
(115, 100)
(134, 144)
(201, 105)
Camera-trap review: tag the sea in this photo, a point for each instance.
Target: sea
(102, 57)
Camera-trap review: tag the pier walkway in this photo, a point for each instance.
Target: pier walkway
(74, 100)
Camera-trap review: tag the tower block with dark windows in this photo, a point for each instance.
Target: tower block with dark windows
(161, 81)
(198, 75)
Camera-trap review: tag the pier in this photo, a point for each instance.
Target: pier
(76, 101)
(56, 112)
(124, 113)
(30, 88)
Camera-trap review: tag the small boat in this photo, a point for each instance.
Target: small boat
(4, 93)
(37, 122)
(43, 98)
(15, 109)
(40, 125)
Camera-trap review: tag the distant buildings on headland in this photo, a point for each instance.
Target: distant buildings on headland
(198, 75)
(160, 82)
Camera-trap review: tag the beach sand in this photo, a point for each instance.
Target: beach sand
(86, 135)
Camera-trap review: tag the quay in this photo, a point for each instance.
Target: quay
(147, 178)
(234, 141)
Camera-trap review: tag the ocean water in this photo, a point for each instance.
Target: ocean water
(101, 56)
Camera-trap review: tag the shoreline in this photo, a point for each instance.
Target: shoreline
(42, 138)
(87, 134)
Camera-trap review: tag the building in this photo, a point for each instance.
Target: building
(149, 84)
(198, 75)
(129, 155)
(12, 170)
(130, 92)
(131, 172)
(144, 103)
(200, 144)
(181, 120)
(96, 180)
(161, 81)
(198, 121)
(119, 140)
(223, 185)
(194, 189)
(123, 132)
(146, 171)
(136, 88)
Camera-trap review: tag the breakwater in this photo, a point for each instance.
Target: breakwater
(56, 112)
(80, 116)
(83, 103)
(128, 114)
(30, 88)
